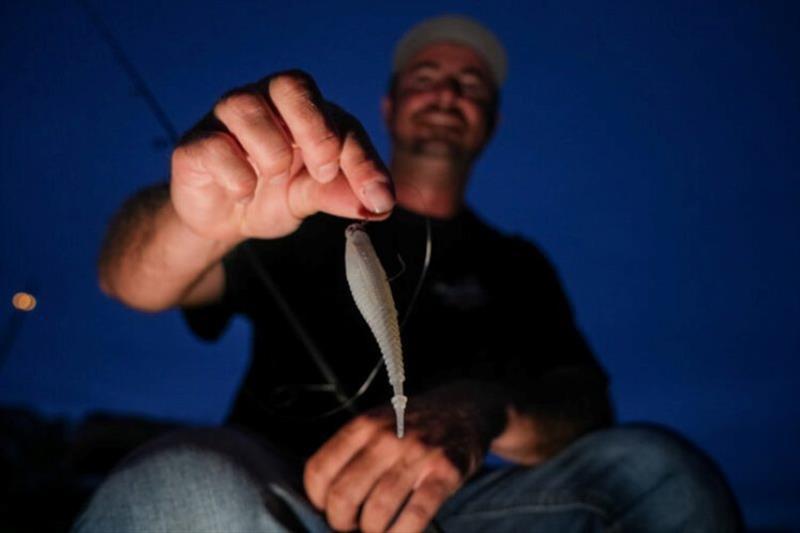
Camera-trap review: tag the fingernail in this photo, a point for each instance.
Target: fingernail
(328, 171)
(379, 199)
(280, 178)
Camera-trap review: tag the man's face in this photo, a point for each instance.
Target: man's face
(442, 105)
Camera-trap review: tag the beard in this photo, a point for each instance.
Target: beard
(437, 146)
(438, 140)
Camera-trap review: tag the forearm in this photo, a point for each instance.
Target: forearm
(151, 260)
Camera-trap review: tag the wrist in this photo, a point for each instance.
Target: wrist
(484, 403)
(163, 261)
(185, 238)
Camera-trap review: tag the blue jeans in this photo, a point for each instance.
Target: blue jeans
(638, 478)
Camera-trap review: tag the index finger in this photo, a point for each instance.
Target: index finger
(299, 103)
(364, 170)
(322, 468)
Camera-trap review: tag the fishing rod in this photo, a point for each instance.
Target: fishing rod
(167, 125)
(130, 69)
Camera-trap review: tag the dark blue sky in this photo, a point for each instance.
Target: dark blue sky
(650, 148)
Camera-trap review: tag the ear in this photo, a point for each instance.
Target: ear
(387, 110)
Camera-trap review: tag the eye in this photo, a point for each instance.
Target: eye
(473, 88)
(422, 80)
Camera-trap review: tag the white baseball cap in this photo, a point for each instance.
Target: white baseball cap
(456, 29)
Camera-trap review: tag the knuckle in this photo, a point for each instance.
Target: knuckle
(180, 155)
(357, 159)
(241, 178)
(341, 497)
(302, 77)
(364, 167)
(240, 106)
(277, 158)
(391, 479)
(441, 489)
(350, 430)
(356, 156)
(240, 186)
(302, 98)
(308, 113)
(313, 470)
(379, 449)
(376, 513)
(445, 468)
(292, 83)
(418, 512)
(415, 448)
(359, 424)
(328, 142)
(214, 147)
(339, 523)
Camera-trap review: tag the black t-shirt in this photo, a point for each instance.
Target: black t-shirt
(490, 308)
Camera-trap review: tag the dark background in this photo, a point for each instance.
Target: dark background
(650, 148)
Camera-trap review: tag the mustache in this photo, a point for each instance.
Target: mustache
(453, 112)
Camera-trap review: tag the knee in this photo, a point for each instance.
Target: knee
(675, 477)
(645, 450)
(176, 488)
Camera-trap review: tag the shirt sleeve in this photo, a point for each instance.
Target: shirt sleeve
(549, 367)
(209, 321)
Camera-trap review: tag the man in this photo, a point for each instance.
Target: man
(253, 223)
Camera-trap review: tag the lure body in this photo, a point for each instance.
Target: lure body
(373, 297)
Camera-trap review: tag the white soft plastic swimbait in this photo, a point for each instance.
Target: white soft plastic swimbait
(374, 300)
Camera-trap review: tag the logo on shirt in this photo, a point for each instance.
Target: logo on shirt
(465, 294)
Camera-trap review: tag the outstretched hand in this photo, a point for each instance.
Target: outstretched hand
(270, 154)
(366, 477)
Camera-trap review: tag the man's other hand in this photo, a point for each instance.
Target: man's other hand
(366, 477)
(270, 154)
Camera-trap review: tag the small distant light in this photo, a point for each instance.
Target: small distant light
(23, 301)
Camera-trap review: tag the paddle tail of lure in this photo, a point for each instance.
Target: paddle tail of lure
(373, 297)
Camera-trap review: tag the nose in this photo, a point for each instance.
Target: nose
(448, 91)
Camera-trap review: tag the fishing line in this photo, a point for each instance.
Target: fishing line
(316, 353)
(296, 324)
(425, 264)
(417, 289)
(168, 127)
